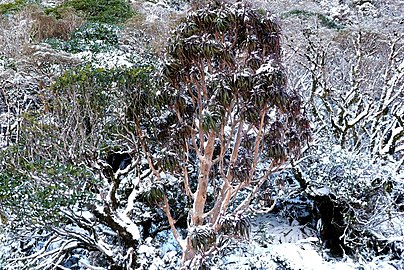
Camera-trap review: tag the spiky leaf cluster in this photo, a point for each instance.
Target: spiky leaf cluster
(224, 61)
(230, 113)
(202, 238)
(156, 194)
(230, 38)
(236, 226)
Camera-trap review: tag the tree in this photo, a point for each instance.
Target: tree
(220, 124)
(232, 123)
(66, 173)
(353, 85)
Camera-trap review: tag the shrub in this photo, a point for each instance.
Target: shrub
(58, 163)
(31, 198)
(12, 7)
(15, 33)
(46, 26)
(367, 194)
(324, 20)
(101, 11)
(94, 37)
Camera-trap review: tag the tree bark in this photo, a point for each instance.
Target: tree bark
(200, 198)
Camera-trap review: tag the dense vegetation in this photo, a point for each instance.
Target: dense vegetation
(114, 156)
(101, 11)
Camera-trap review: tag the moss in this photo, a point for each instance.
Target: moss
(324, 20)
(101, 11)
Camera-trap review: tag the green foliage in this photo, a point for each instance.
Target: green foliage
(324, 20)
(94, 37)
(93, 93)
(34, 191)
(100, 11)
(202, 238)
(210, 121)
(12, 7)
(8, 63)
(84, 86)
(155, 196)
(238, 227)
(87, 77)
(49, 168)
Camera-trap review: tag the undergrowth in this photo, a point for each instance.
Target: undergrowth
(100, 11)
(12, 7)
(94, 37)
(324, 20)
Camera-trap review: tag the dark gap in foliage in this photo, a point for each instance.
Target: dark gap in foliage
(332, 224)
(119, 161)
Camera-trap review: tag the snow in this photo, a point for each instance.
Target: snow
(394, 132)
(289, 256)
(323, 191)
(169, 244)
(303, 255)
(265, 68)
(131, 227)
(108, 60)
(134, 230)
(87, 264)
(360, 116)
(148, 250)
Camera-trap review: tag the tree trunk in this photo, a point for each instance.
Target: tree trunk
(188, 253)
(200, 198)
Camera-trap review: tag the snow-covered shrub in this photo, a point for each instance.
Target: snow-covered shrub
(367, 192)
(353, 87)
(155, 256)
(15, 33)
(157, 20)
(353, 84)
(324, 20)
(58, 174)
(29, 198)
(93, 37)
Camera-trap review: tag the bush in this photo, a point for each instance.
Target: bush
(94, 37)
(15, 33)
(101, 11)
(46, 26)
(324, 20)
(12, 7)
(37, 199)
(55, 171)
(365, 193)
